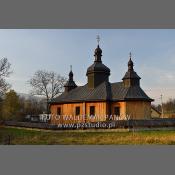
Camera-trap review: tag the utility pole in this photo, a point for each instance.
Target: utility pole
(162, 105)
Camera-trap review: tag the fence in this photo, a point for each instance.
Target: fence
(153, 123)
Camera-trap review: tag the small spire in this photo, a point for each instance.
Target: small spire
(70, 84)
(98, 51)
(98, 40)
(71, 74)
(130, 55)
(130, 62)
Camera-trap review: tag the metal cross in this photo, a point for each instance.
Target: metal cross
(130, 55)
(98, 39)
(70, 67)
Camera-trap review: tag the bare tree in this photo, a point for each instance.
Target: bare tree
(4, 67)
(4, 72)
(47, 84)
(4, 86)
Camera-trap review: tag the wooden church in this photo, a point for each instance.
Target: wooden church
(101, 98)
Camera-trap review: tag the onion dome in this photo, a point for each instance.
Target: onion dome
(98, 54)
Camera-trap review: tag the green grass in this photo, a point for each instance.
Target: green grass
(21, 136)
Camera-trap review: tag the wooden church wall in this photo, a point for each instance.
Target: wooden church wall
(68, 111)
(139, 109)
(122, 106)
(100, 111)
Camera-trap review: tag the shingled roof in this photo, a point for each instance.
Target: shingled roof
(104, 92)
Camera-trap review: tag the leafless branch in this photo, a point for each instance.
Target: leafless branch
(47, 84)
(3, 87)
(4, 68)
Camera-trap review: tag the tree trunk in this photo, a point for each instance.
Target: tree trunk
(48, 106)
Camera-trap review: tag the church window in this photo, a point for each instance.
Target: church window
(92, 110)
(59, 111)
(77, 110)
(117, 111)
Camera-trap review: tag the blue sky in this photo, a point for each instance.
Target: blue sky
(153, 51)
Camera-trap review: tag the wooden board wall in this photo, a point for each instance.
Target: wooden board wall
(69, 110)
(122, 106)
(139, 109)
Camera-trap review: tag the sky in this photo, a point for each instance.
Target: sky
(153, 54)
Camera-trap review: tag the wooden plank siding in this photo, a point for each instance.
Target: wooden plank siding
(122, 106)
(69, 110)
(137, 110)
(100, 111)
(67, 113)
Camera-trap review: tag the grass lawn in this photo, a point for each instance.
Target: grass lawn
(21, 136)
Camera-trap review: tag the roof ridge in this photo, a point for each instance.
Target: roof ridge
(119, 82)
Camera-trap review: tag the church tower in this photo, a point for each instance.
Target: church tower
(131, 78)
(70, 83)
(97, 73)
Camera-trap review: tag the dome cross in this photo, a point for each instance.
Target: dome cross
(98, 39)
